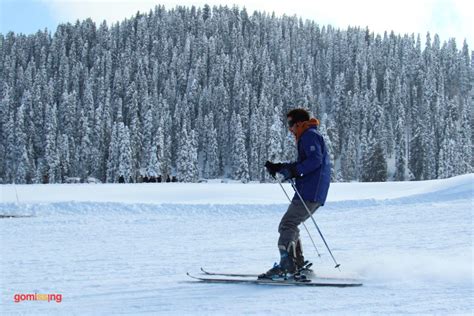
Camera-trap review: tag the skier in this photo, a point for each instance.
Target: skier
(312, 171)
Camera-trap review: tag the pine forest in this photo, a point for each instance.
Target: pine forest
(202, 93)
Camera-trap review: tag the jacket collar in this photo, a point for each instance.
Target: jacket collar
(301, 127)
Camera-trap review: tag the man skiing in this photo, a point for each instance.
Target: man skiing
(312, 171)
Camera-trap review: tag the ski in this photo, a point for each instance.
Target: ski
(305, 282)
(251, 275)
(242, 275)
(14, 216)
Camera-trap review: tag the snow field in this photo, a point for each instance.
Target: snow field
(411, 243)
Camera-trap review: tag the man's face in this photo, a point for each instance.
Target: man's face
(291, 125)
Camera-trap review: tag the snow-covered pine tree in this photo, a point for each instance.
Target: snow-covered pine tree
(164, 128)
(153, 169)
(465, 136)
(210, 148)
(125, 168)
(64, 163)
(374, 163)
(191, 63)
(349, 152)
(449, 151)
(22, 163)
(327, 140)
(254, 142)
(338, 108)
(8, 133)
(160, 152)
(85, 149)
(241, 167)
(349, 157)
(51, 150)
(149, 141)
(275, 151)
(186, 165)
(400, 134)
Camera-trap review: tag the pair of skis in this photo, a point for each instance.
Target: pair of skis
(244, 278)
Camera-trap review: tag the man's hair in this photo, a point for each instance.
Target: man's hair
(298, 115)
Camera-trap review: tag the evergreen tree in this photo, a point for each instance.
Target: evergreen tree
(51, 151)
(327, 140)
(254, 141)
(154, 73)
(375, 165)
(275, 136)
(153, 168)
(241, 168)
(64, 163)
(85, 149)
(160, 151)
(465, 137)
(400, 136)
(22, 167)
(114, 151)
(211, 151)
(125, 167)
(187, 156)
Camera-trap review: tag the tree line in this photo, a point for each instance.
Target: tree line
(200, 93)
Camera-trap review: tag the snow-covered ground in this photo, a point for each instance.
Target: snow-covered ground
(118, 248)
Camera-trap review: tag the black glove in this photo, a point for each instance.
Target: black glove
(289, 172)
(273, 168)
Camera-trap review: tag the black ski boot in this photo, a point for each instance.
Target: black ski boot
(302, 266)
(286, 269)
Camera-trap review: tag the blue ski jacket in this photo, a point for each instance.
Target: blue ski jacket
(313, 168)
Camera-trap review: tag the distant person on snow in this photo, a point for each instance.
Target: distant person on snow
(312, 172)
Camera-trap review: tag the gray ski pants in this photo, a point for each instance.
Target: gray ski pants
(294, 216)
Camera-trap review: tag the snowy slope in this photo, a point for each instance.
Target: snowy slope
(126, 248)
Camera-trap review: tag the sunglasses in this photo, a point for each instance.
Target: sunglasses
(291, 123)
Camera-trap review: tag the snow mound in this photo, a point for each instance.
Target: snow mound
(216, 197)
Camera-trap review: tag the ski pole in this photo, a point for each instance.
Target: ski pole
(309, 234)
(311, 215)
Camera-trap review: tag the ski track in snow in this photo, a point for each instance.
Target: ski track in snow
(414, 254)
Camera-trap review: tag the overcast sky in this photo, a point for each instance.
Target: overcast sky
(448, 18)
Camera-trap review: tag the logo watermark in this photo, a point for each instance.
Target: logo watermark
(53, 297)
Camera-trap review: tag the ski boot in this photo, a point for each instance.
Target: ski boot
(302, 266)
(277, 272)
(286, 269)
